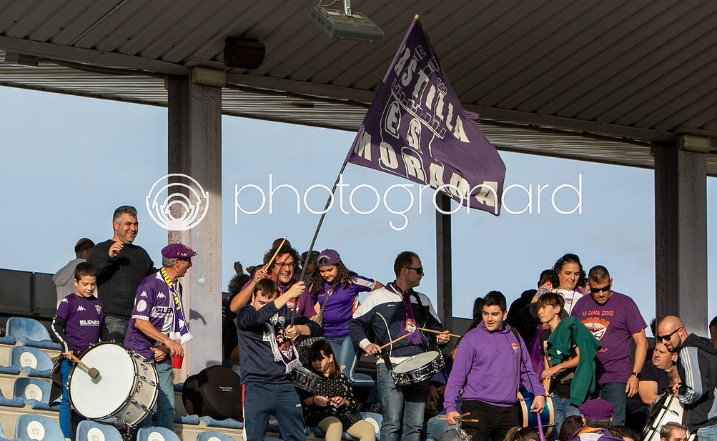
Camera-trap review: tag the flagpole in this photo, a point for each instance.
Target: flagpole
(318, 227)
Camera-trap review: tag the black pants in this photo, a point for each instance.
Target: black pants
(493, 421)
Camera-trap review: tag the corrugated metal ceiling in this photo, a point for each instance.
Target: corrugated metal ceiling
(594, 80)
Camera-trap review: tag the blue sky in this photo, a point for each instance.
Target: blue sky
(68, 162)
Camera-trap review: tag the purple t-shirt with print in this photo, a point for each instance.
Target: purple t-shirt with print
(84, 317)
(613, 325)
(152, 302)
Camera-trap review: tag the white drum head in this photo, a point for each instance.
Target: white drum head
(416, 361)
(99, 397)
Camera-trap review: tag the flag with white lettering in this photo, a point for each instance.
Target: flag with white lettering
(417, 128)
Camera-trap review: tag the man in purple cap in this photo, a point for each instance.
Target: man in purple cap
(597, 418)
(158, 326)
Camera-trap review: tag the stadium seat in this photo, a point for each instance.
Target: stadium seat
(156, 434)
(33, 391)
(37, 427)
(32, 360)
(89, 430)
(213, 436)
(29, 332)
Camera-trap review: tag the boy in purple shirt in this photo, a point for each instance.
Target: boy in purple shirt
(491, 364)
(78, 324)
(615, 320)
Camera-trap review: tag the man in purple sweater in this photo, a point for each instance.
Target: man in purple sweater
(491, 364)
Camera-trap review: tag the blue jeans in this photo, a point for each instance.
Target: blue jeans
(261, 400)
(165, 399)
(561, 410)
(708, 433)
(615, 394)
(402, 408)
(435, 427)
(344, 354)
(117, 328)
(65, 412)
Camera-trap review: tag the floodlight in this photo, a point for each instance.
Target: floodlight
(346, 24)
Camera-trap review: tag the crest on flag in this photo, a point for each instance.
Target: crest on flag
(417, 128)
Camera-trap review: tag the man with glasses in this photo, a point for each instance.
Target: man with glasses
(281, 270)
(614, 319)
(393, 315)
(697, 369)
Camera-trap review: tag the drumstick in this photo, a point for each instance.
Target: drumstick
(92, 372)
(266, 267)
(393, 341)
(438, 332)
(459, 416)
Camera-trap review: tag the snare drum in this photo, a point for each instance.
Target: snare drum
(667, 408)
(530, 419)
(306, 380)
(418, 368)
(124, 392)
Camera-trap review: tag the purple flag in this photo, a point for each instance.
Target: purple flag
(417, 128)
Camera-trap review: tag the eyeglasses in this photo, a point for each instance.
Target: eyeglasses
(604, 288)
(667, 337)
(283, 264)
(419, 269)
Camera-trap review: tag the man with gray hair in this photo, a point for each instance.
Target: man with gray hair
(121, 266)
(673, 432)
(158, 327)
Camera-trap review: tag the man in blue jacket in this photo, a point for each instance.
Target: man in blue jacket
(491, 364)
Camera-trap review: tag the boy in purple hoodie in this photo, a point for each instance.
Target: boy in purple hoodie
(491, 365)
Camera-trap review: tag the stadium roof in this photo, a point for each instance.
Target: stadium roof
(596, 80)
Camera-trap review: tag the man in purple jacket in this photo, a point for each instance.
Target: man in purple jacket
(491, 364)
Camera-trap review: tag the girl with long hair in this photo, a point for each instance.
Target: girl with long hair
(333, 407)
(335, 292)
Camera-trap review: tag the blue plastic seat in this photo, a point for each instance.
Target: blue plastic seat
(32, 360)
(213, 436)
(156, 434)
(229, 423)
(33, 391)
(37, 427)
(89, 430)
(29, 332)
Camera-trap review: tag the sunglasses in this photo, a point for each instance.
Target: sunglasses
(419, 270)
(603, 289)
(667, 337)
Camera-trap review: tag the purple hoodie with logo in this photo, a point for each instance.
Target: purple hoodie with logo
(491, 367)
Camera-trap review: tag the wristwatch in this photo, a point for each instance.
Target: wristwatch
(636, 374)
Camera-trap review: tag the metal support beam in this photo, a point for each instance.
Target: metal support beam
(195, 113)
(681, 235)
(444, 263)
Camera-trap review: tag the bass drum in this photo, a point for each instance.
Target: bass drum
(123, 394)
(666, 408)
(215, 391)
(530, 419)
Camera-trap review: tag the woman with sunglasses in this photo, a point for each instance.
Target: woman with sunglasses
(335, 292)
